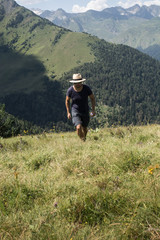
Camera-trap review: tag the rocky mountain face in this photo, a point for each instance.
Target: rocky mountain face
(147, 12)
(135, 11)
(8, 5)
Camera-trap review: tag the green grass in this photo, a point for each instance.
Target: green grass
(53, 186)
(72, 51)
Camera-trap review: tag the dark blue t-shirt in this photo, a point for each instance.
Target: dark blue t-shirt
(80, 99)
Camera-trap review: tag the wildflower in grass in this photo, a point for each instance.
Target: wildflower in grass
(54, 129)
(25, 131)
(151, 169)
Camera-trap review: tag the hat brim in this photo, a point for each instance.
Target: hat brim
(77, 81)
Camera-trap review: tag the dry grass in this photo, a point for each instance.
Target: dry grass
(54, 186)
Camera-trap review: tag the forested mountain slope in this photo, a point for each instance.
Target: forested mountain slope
(126, 81)
(38, 60)
(10, 126)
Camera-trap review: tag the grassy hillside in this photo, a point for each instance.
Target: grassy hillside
(53, 186)
(53, 46)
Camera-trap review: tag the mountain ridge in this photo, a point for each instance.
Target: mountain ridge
(152, 10)
(116, 25)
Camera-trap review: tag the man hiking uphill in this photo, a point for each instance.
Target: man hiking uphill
(79, 113)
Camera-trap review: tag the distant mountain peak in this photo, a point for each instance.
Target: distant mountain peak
(134, 9)
(45, 13)
(37, 11)
(60, 10)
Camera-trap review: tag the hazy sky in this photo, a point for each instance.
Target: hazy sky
(82, 5)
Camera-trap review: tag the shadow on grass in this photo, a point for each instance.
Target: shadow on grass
(27, 92)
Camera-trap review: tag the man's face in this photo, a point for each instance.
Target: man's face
(78, 85)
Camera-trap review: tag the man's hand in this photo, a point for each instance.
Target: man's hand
(69, 116)
(93, 114)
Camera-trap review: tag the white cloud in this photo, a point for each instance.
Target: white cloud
(93, 4)
(155, 2)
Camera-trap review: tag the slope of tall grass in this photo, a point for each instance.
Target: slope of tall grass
(53, 186)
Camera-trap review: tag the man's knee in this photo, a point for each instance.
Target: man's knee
(79, 126)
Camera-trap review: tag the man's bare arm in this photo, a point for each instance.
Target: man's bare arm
(93, 102)
(67, 102)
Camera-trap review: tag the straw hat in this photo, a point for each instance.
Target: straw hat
(77, 78)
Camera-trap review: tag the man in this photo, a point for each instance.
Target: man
(79, 113)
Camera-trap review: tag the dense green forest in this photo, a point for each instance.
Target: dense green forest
(126, 84)
(11, 126)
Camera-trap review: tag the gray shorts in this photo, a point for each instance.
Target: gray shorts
(80, 118)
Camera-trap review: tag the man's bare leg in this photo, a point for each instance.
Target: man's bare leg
(80, 131)
(85, 130)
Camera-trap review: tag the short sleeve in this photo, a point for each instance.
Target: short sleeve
(69, 91)
(89, 91)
